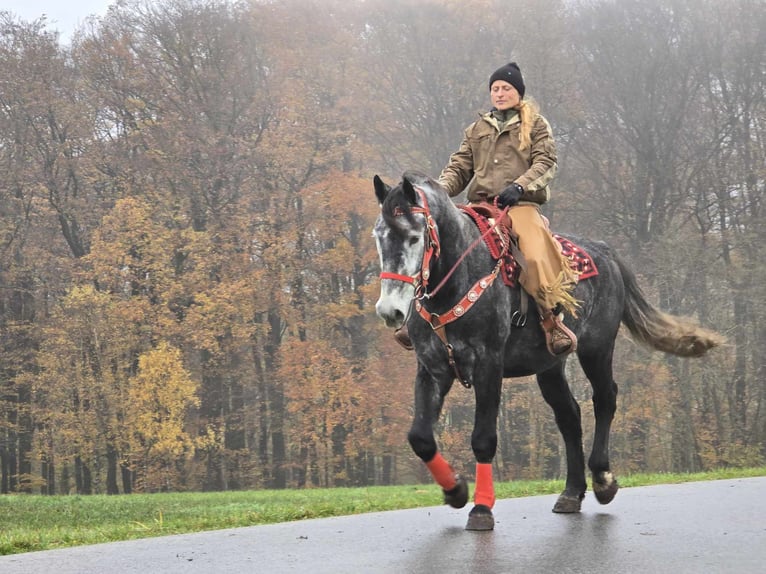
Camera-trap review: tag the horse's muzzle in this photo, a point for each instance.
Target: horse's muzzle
(391, 312)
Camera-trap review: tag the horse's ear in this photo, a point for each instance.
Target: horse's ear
(409, 191)
(381, 189)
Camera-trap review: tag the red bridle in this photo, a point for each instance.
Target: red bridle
(432, 251)
(420, 281)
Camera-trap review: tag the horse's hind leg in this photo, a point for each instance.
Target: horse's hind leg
(598, 369)
(557, 394)
(429, 398)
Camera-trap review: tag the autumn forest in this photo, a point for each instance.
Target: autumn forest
(187, 273)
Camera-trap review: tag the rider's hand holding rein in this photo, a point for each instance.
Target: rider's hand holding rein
(510, 196)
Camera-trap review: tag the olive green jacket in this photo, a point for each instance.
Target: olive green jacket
(489, 159)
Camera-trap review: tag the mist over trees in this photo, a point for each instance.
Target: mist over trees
(187, 274)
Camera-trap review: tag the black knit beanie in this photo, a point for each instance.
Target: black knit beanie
(511, 74)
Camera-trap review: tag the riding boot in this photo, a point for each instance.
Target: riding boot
(558, 337)
(402, 336)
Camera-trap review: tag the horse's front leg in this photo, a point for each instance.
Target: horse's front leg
(484, 445)
(429, 398)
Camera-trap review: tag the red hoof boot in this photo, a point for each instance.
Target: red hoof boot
(402, 337)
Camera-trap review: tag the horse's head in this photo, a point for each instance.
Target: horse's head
(405, 235)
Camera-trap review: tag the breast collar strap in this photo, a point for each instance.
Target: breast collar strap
(438, 322)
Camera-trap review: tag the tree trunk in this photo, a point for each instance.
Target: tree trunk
(685, 452)
(111, 470)
(338, 438)
(4, 470)
(127, 478)
(82, 477)
(738, 383)
(48, 472)
(277, 403)
(64, 485)
(387, 470)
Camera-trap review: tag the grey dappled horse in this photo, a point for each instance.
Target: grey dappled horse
(420, 236)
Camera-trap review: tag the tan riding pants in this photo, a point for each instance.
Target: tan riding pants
(548, 276)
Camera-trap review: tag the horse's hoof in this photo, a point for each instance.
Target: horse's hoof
(457, 497)
(568, 504)
(605, 487)
(480, 518)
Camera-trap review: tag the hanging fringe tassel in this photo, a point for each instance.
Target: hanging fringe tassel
(560, 292)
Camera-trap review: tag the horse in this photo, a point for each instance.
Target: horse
(466, 329)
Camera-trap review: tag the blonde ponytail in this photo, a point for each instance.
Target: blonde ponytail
(528, 111)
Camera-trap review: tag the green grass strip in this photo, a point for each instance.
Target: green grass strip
(32, 522)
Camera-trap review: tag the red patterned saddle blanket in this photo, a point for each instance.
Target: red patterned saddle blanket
(499, 240)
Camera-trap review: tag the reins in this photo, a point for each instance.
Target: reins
(420, 282)
(460, 259)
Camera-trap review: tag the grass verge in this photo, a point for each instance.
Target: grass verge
(31, 523)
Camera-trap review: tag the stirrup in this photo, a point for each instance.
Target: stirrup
(555, 330)
(518, 319)
(402, 336)
(559, 344)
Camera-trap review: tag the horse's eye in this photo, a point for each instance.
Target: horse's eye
(414, 240)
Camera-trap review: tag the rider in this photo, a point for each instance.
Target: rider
(511, 149)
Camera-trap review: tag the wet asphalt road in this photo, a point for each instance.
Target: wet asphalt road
(700, 528)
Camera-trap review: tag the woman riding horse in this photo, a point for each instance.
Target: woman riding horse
(511, 148)
(433, 260)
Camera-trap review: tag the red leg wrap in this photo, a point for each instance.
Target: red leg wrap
(485, 490)
(442, 472)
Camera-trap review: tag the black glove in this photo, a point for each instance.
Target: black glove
(510, 196)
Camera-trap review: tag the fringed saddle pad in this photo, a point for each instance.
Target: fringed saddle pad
(498, 242)
(579, 259)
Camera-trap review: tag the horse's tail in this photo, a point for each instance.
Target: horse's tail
(658, 330)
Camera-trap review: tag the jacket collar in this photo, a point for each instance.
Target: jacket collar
(495, 118)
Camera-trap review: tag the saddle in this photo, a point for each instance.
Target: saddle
(503, 241)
